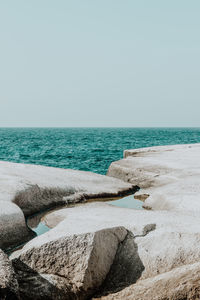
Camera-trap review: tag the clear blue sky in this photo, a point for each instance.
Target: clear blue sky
(99, 63)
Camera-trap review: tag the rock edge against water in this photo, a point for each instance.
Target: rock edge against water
(28, 189)
(103, 252)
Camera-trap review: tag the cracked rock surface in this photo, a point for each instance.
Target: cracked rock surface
(164, 240)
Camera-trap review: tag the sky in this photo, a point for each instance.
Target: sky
(105, 63)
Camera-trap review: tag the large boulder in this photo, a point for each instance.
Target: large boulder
(34, 188)
(71, 267)
(8, 282)
(13, 228)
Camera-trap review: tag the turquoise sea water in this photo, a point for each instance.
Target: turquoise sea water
(91, 149)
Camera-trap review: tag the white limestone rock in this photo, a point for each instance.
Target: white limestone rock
(169, 174)
(165, 240)
(34, 188)
(13, 228)
(71, 267)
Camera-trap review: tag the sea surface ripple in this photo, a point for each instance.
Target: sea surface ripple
(89, 149)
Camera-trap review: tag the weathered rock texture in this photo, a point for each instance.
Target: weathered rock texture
(8, 281)
(165, 240)
(72, 267)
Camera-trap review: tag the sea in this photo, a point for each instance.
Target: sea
(89, 149)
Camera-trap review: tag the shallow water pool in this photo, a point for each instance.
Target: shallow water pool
(40, 228)
(36, 223)
(127, 202)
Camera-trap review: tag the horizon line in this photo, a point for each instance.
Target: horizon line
(63, 127)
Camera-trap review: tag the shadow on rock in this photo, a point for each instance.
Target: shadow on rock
(126, 269)
(71, 267)
(34, 286)
(6, 294)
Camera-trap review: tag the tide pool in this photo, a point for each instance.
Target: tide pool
(127, 202)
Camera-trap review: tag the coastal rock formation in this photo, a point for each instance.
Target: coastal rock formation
(34, 188)
(71, 267)
(86, 254)
(13, 228)
(126, 268)
(179, 284)
(165, 240)
(8, 281)
(169, 174)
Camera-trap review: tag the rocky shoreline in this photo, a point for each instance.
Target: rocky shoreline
(97, 251)
(28, 189)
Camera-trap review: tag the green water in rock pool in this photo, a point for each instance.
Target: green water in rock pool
(127, 202)
(40, 228)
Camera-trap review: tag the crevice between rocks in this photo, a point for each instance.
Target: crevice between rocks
(127, 266)
(35, 200)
